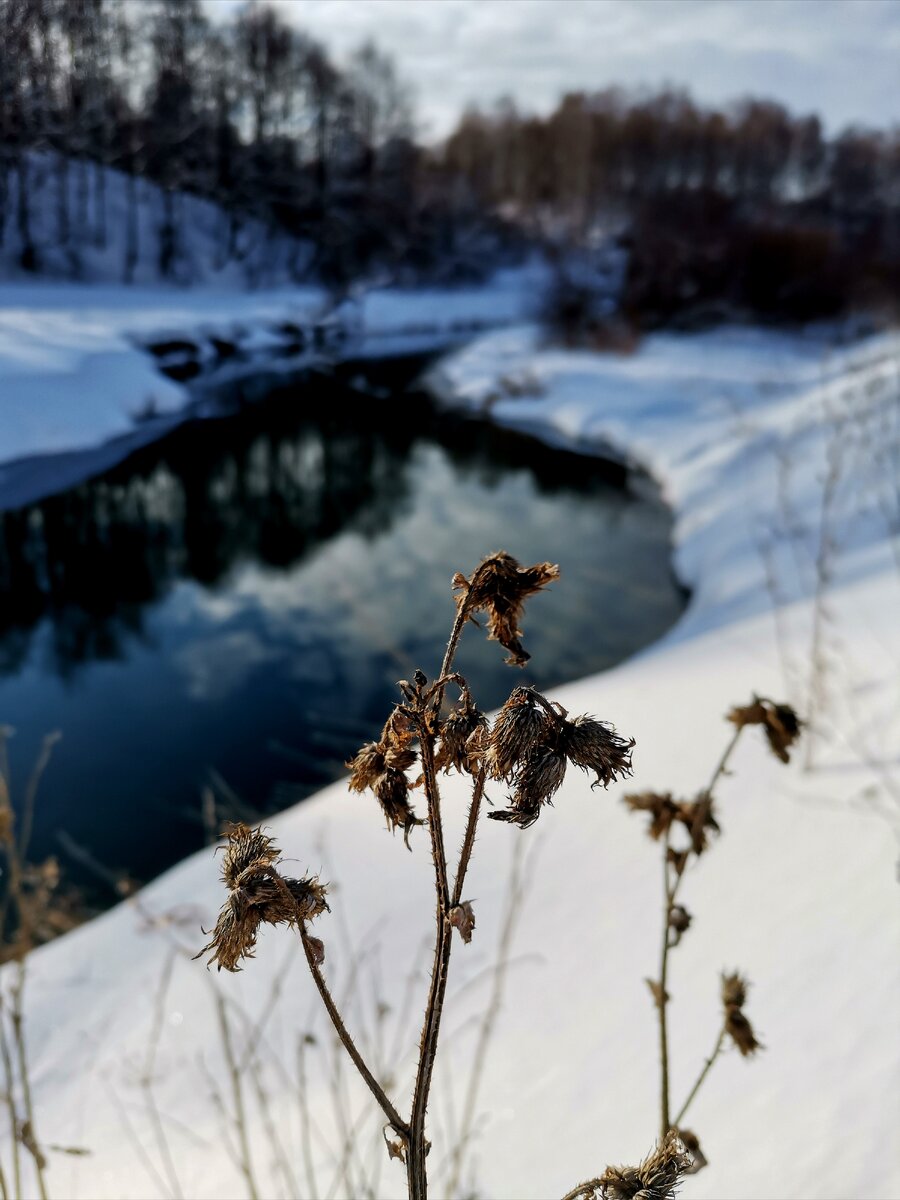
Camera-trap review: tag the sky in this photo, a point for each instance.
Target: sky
(838, 58)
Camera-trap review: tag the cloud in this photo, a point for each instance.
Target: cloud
(835, 57)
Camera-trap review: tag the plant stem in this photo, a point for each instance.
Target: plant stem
(469, 839)
(584, 1191)
(662, 999)
(671, 887)
(349, 1045)
(723, 761)
(9, 1074)
(237, 1095)
(707, 1066)
(417, 1150)
(18, 1023)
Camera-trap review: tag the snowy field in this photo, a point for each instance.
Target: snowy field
(779, 456)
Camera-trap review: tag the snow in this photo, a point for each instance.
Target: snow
(777, 453)
(76, 382)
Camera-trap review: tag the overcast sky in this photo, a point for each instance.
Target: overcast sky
(840, 58)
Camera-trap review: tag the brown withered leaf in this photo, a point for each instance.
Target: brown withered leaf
(691, 1143)
(317, 946)
(659, 996)
(462, 917)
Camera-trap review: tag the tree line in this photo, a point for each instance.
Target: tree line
(747, 202)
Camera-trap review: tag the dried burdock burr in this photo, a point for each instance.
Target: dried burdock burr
(257, 894)
(499, 587)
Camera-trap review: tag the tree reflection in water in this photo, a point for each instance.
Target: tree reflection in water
(243, 595)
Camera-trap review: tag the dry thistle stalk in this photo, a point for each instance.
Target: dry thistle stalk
(693, 822)
(529, 746)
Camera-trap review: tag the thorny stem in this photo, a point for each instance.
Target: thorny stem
(416, 1151)
(671, 887)
(662, 997)
(469, 839)
(707, 1066)
(349, 1045)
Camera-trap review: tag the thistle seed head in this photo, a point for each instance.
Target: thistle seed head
(656, 1178)
(593, 746)
(257, 894)
(456, 731)
(499, 587)
(520, 726)
(536, 782)
(391, 790)
(365, 766)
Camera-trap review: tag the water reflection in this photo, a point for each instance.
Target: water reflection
(241, 597)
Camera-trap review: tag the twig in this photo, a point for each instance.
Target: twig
(18, 1022)
(374, 1086)
(10, 1100)
(707, 1067)
(237, 1092)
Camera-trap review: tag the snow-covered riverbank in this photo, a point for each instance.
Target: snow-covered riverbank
(78, 388)
(779, 456)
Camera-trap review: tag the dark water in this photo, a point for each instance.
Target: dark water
(234, 604)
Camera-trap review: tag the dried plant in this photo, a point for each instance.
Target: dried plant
(33, 909)
(528, 747)
(685, 829)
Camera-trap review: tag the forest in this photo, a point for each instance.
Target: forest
(745, 208)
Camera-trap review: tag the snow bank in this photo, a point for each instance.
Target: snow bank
(76, 385)
(777, 453)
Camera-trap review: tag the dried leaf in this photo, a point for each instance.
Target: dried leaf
(462, 917)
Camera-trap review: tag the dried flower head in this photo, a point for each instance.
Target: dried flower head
(391, 790)
(381, 766)
(365, 766)
(657, 1177)
(594, 746)
(662, 808)
(679, 922)
(699, 820)
(738, 1027)
(521, 725)
(781, 724)
(257, 894)
(499, 587)
(456, 749)
(536, 782)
